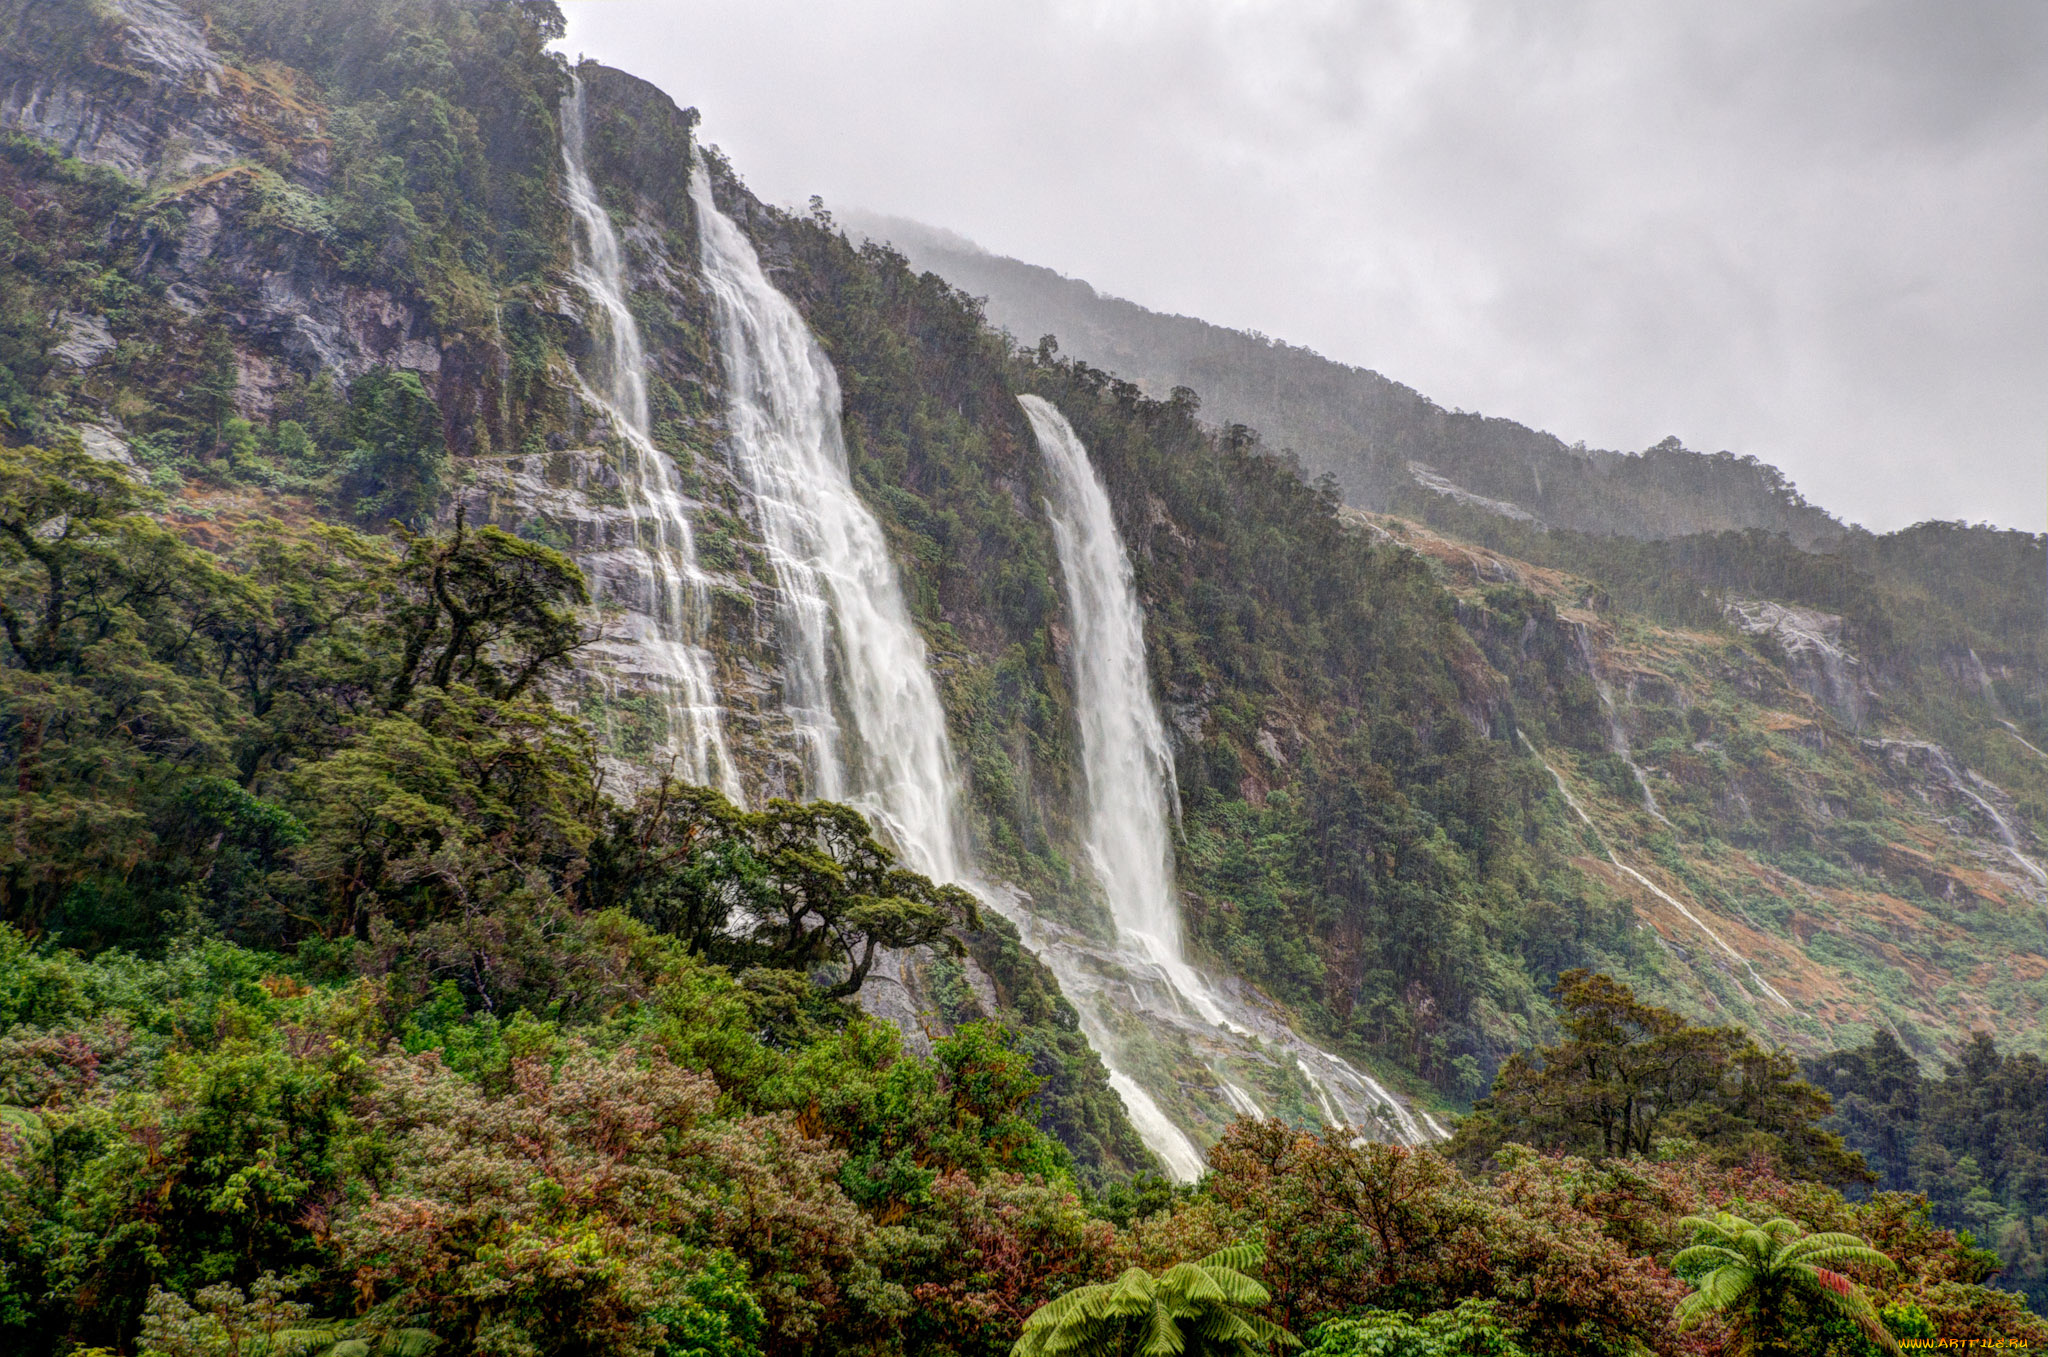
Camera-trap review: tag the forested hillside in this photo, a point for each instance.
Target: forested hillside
(371, 982)
(1386, 446)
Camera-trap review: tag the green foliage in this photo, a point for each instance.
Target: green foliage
(1973, 1141)
(1353, 1227)
(399, 468)
(716, 1316)
(1470, 1330)
(1202, 1309)
(792, 887)
(1762, 1277)
(1628, 1075)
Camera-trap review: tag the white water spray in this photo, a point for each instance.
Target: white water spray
(1128, 768)
(653, 579)
(857, 687)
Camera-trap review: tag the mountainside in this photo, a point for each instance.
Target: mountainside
(1386, 446)
(1368, 836)
(450, 532)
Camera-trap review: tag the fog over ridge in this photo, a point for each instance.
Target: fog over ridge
(1809, 233)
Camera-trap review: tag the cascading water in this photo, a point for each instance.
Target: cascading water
(1128, 770)
(1652, 887)
(857, 684)
(860, 693)
(652, 578)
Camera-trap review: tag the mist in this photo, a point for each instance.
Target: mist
(1809, 232)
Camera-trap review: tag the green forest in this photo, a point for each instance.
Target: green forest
(351, 1006)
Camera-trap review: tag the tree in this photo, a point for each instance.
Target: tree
(79, 555)
(598, 1208)
(105, 702)
(790, 887)
(1199, 1309)
(1471, 1330)
(1764, 1278)
(1629, 1073)
(400, 463)
(483, 608)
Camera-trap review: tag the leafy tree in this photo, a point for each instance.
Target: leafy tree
(1351, 1227)
(584, 1211)
(1764, 1278)
(104, 697)
(1628, 1074)
(483, 608)
(399, 467)
(791, 886)
(1974, 1139)
(1201, 1309)
(81, 557)
(1470, 1330)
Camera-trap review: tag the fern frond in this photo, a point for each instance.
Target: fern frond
(1706, 1253)
(1238, 1257)
(1162, 1337)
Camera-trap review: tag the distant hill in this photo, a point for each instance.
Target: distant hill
(1387, 446)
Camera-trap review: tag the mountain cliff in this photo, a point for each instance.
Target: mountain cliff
(1369, 837)
(417, 674)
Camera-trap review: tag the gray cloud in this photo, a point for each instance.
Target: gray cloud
(1811, 231)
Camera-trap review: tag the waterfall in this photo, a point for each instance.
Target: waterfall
(857, 687)
(1124, 755)
(1128, 772)
(652, 578)
(860, 694)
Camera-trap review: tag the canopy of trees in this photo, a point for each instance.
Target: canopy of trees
(1629, 1075)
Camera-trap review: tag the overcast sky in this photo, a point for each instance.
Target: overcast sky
(1816, 232)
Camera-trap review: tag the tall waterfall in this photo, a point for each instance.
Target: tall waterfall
(652, 578)
(858, 687)
(860, 693)
(1130, 795)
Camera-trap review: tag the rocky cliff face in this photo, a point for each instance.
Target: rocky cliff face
(1728, 781)
(1367, 841)
(136, 86)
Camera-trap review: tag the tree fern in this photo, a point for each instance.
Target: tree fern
(1199, 1309)
(1756, 1274)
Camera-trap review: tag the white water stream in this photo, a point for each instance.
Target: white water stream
(1617, 738)
(857, 685)
(1128, 769)
(652, 579)
(1649, 885)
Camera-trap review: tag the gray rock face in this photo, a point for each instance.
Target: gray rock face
(103, 444)
(139, 91)
(135, 87)
(87, 339)
(1815, 657)
(573, 500)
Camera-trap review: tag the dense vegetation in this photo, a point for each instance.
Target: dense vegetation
(1974, 1141)
(232, 1150)
(346, 1006)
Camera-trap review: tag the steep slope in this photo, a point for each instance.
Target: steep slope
(1811, 861)
(393, 313)
(1385, 445)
